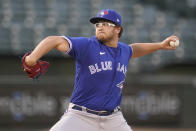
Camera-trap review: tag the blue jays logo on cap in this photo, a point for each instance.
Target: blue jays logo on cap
(107, 14)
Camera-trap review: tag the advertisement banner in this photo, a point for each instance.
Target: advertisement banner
(44, 105)
(154, 104)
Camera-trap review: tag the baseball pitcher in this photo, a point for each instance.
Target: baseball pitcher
(101, 66)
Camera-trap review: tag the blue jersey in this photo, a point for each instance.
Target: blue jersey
(100, 72)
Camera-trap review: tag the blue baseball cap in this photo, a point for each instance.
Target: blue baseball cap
(109, 15)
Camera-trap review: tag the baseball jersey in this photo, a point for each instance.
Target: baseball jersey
(100, 72)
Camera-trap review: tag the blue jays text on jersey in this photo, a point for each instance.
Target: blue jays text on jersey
(100, 72)
(106, 65)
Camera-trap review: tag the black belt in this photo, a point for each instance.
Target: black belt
(99, 113)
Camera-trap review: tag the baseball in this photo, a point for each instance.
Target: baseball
(174, 44)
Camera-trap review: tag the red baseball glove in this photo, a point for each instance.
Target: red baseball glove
(36, 70)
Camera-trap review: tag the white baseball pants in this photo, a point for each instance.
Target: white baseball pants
(75, 120)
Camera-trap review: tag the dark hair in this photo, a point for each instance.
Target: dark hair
(120, 33)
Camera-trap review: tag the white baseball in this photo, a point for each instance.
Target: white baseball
(174, 44)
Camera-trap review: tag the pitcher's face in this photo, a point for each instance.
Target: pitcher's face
(105, 31)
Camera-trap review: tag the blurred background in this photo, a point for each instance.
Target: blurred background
(159, 93)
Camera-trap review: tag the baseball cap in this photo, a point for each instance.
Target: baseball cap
(109, 15)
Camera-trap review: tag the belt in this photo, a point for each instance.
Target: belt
(99, 113)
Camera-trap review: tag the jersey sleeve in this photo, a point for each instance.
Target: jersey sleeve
(127, 49)
(77, 46)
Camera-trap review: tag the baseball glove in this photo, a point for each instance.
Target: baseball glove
(36, 70)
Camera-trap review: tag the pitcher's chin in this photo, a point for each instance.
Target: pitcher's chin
(100, 37)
